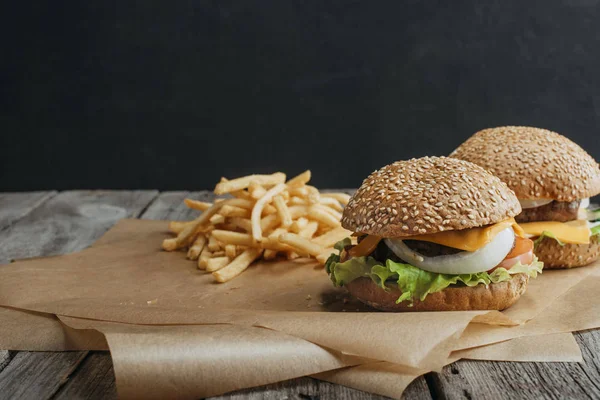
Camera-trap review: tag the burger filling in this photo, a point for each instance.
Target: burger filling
(425, 264)
(572, 222)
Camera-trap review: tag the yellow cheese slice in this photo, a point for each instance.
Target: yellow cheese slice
(577, 231)
(468, 239)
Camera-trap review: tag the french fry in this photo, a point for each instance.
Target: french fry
(244, 182)
(230, 251)
(298, 211)
(282, 210)
(236, 238)
(299, 191)
(269, 254)
(292, 255)
(241, 223)
(323, 217)
(296, 201)
(241, 194)
(256, 190)
(330, 238)
(309, 230)
(299, 180)
(197, 204)
(313, 195)
(217, 219)
(196, 247)
(321, 258)
(177, 226)
(218, 253)
(258, 207)
(275, 234)
(213, 243)
(216, 263)
(204, 257)
(331, 202)
(234, 211)
(336, 214)
(341, 197)
(238, 265)
(269, 222)
(298, 225)
(301, 244)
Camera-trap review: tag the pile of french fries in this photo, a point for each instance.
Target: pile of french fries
(264, 216)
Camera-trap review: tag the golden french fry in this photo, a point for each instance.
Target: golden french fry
(300, 191)
(282, 210)
(256, 190)
(241, 194)
(197, 204)
(276, 233)
(291, 255)
(300, 243)
(341, 197)
(336, 214)
(321, 258)
(298, 211)
(269, 222)
(237, 266)
(196, 247)
(296, 201)
(299, 180)
(219, 253)
(236, 238)
(330, 238)
(217, 219)
(331, 202)
(204, 257)
(298, 225)
(313, 195)
(213, 243)
(183, 238)
(241, 223)
(234, 211)
(230, 251)
(309, 230)
(216, 263)
(269, 254)
(323, 217)
(258, 207)
(244, 182)
(177, 226)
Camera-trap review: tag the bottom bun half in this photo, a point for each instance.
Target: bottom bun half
(568, 255)
(496, 296)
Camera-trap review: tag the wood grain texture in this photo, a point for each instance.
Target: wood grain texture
(14, 206)
(37, 375)
(170, 205)
(94, 379)
(67, 222)
(509, 380)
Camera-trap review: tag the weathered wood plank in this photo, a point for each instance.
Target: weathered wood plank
(14, 206)
(37, 375)
(94, 379)
(507, 380)
(170, 205)
(67, 222)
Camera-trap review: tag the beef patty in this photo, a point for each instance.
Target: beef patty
(561, 211)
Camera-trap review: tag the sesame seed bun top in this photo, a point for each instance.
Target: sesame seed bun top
(535, 163)
(428, 195)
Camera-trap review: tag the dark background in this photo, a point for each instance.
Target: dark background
(173, 95)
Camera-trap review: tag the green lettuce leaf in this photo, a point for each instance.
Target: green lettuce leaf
(413, 282)
(595, 230)
(546, 234)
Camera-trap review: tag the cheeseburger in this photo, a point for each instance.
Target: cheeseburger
(433, 234)
(553, 179)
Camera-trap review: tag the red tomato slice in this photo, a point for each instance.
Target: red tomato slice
(522, 251)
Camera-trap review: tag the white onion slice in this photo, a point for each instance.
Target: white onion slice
(465, 262)
(585, 203)
(527, 203)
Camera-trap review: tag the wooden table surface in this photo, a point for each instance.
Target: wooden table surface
(49, 223)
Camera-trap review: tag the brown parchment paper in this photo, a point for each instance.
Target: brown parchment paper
(140, 366)
(125, 277)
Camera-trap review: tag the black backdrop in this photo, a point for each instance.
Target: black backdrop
(172, 95)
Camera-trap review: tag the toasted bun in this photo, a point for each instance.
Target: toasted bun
(556, 256)
(496, 296)
(535, 163)
(428, 195)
